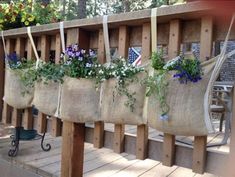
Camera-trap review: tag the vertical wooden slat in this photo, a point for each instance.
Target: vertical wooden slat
(206, 38)
(119, 129)
(199, 154)
(2, 74)
(7, 110)
(142, 130)
(28, 113)
(199, 151)
(174, 38)
(56, 123)
(98, 140)
(72, 149)
(173, 50)
(45, 53)
(169, 149)
(142, 142)
(30, 53)
(17, 114)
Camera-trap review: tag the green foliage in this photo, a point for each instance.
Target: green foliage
(157, 60)
(158, 86)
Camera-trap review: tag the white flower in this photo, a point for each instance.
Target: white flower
(88, 65)
(171, 62)
(83, 51)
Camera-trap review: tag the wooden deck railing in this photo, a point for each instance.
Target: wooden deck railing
(177, 26)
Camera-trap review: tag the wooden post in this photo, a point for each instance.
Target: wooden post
(98, 140)
(56, 123)
(28, 113)
(2, 75)
(173, 50)
(45, 53)
(206, 38)
(142, 130)
(7, 109)
(72, 149)
(119, 129)
(17, 114)
(199, 152)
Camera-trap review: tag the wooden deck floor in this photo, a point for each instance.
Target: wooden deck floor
(97, 163)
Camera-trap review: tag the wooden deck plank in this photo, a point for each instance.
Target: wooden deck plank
(101, 161)
(112, 168)
(137, 168)
(180, 172)
(159, 171)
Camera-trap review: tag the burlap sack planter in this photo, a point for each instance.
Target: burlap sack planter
(46, 97)
(113, 108)
(15, 93)
(79, 100)
(187, 115)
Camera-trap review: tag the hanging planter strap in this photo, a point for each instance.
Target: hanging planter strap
(106, 38)
(33, 45)
(4, 45)
(57, 113)
(215, 73)
(62, 36)
(154, 49)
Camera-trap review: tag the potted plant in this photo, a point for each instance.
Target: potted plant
(17, 92)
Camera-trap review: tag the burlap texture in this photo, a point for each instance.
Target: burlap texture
(79, 100)
(46, 97)
(186, 101)
(113, 108)
(15, 93)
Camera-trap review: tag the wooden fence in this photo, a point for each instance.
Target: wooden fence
(178, 26)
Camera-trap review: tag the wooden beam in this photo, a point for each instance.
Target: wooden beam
(56, 123)
(45, 53)
(28, 119)
(101, 50)
(174, 38)
(30, 52)
(169, 150)
(28, 113)
(98, 139)
(199, 154)
(72, 149)
(7, 109)
(206, 38)
(168, 158)
(142, 142)
(164, 14)
(17, 114)
(119, 129)
(142, 130)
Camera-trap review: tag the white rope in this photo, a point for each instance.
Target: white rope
(106, 38)
(33, 45)
(62, 36)
(221, 59)
(4, 45)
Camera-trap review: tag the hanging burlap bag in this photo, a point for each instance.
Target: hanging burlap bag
(46, 97)
(16, 94)
(113, 108)
(186, 102)
(189, 103)
(79, 100)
